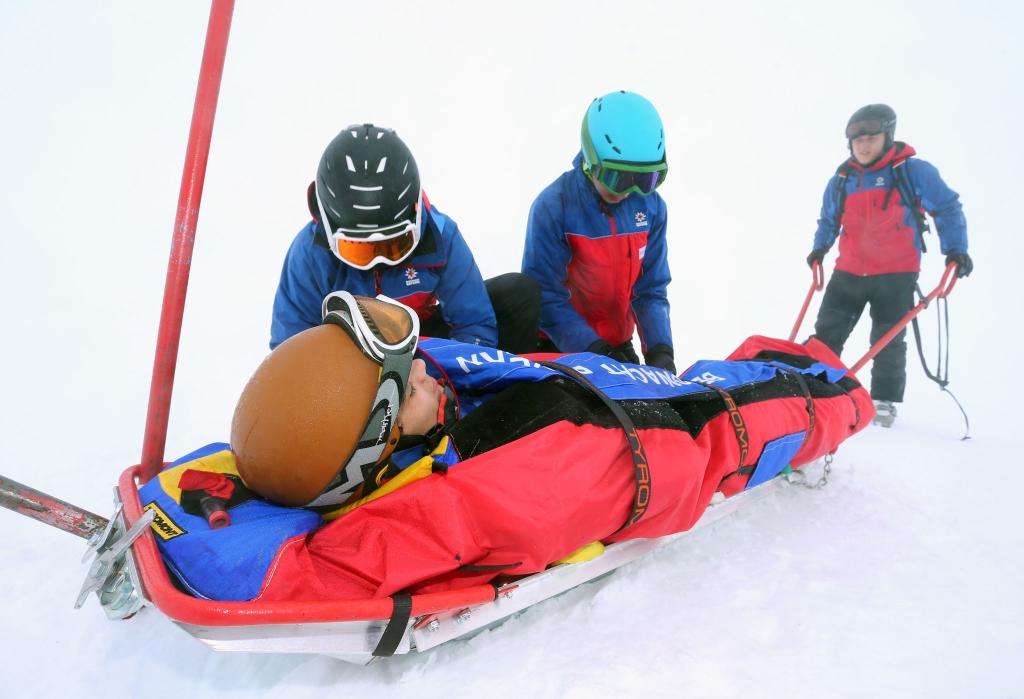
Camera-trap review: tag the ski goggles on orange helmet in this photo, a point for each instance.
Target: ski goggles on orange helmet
(366, 246)
(865, 127)
(386, 332)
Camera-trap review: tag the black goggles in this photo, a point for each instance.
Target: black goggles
(864, 127)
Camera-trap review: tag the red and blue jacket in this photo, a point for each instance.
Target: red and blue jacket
(440, 276)
(877, 229)
(602, 268)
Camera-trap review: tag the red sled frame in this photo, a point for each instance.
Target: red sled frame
(129, 573)
(350, 630)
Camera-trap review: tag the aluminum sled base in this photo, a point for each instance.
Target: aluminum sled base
(234, 628)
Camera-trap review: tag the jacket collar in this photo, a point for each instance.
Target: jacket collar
(897, 153)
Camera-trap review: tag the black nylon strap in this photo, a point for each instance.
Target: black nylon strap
(941, 375)
(739, 428)
(401, 610)
(842, 173)
(808, 401)
(641, 469)
(901, 180)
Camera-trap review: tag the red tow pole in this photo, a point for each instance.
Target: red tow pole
(63, 515)
(48, 509)
(180, 261)
(946, 284)
(817, 284)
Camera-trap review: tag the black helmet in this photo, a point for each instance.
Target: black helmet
(872, 119)
(367, 195)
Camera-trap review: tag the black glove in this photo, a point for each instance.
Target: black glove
(620, 353)
(662, 357)
(625, 353)
(964, 264)
(817, 255)
(600, 347)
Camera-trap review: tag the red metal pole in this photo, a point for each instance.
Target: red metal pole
(180, 261)
(817, 284)
(48, 509)
(943, 290)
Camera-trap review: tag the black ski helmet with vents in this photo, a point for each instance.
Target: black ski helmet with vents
(367, 187)
(872, 119)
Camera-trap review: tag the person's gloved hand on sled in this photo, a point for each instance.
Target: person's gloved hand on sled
(964, 264)
(661, 356)
(620, 353)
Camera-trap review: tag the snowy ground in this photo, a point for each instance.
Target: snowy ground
(901, 578)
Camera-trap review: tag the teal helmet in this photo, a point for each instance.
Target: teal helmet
(623, 143)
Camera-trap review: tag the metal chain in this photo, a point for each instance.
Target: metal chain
(800, 478)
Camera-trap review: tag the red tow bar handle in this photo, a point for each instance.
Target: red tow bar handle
(817, 284)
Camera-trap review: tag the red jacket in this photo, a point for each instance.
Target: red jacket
(876, 228)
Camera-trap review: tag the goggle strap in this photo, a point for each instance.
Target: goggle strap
(371, 444)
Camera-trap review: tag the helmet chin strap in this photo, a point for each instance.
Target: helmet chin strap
(393, 441)
(314, 209)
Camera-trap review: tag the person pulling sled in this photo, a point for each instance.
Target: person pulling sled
(875, 206)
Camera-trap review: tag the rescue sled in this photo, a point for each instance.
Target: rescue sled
(128, 573)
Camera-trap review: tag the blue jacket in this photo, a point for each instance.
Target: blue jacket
(877, 231)
(602, 269)
(440, 275)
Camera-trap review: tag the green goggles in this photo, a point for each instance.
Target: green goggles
(621, 176)
(624, 178)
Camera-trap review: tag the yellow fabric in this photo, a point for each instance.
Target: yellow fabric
(416, 471)
(218, 462)
(584, 553)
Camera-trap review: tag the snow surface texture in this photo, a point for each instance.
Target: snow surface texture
(901, 578)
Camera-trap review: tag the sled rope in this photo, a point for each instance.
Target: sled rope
(941, 375)
(641, 469)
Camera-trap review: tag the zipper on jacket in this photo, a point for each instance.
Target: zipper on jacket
(376, 281)
(868, 222)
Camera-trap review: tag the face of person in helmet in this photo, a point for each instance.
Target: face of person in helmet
(868, 147)
(606, 194)
(418, 413)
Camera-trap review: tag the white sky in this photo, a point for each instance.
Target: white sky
(918, 541)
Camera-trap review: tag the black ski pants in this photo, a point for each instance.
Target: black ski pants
(891, 296)
(516, 302)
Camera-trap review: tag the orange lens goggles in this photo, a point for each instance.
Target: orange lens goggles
(362, 254)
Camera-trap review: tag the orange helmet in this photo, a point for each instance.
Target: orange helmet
(300, 431)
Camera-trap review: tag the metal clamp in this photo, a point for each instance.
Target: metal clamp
(112, 574)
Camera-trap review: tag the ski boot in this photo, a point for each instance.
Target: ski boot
(885, 413)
